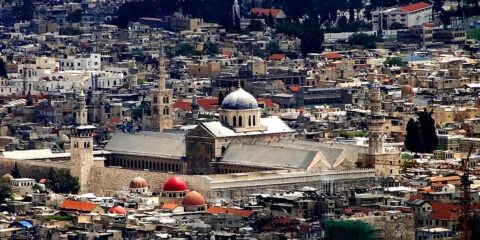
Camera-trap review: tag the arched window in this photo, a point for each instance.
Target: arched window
(254, 122)
(249, 121)
(155, 99)
(234, 124)
(166, 111)
(240, 122)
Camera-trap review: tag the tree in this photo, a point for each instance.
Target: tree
(393, 61)
(15, 172)
(29, 99)
(25, 11)
(5, 190)
(75, 16)
(220, 98)
(62, 182)
(70, 31)
(428, 131)
(413, 141)
(348, 230)
(143, 109)
(396, 26)
(270, 21)
(272, 47)
(186, 49)
(362, 39)
(210, 48)
(3, 69)
(255, 25)
(311, 36)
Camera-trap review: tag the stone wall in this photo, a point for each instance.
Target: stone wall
(31, 169)
(106, 180)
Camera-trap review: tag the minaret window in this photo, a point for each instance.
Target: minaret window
(155, 99)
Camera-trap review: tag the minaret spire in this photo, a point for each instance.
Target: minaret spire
(81, 118)
(161, 70)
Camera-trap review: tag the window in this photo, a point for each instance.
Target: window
(240, 122)
(249, 121)
(254, 122)
(234, 124)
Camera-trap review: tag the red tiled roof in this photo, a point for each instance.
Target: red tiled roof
(115, 120)
(414, 197)
(265, 11)
(234, 211)
(276, 57)
(415, 6)
(333, 55)
(443, 179)
(268, 102)
(169, 206)
(186, 106)
(78, 206)
(208, 103)
(227, 52)
(444, 215)
(294, 88)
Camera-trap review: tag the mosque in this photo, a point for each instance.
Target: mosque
(240, 141)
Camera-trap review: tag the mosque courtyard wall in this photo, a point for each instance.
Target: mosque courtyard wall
(105, 181)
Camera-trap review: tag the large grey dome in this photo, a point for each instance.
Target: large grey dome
(239, 100)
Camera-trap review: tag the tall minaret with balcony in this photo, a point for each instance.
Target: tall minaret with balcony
(375, 122)
(81, 145)
(161, 110)
(385, 161)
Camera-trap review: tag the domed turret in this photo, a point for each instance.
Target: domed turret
(117, 210)
(175, 184)
(193, 201)
(138, 182)
(240, 111)
(239, 100)
(7, 177)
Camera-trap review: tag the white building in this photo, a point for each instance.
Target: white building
(81, 62)
(408, 16)
(42, 67)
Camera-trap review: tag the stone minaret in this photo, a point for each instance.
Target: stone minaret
(195, 107)
(133, 75)
(375, 122)
(81, 115)
(161, 117)
(81, 146)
